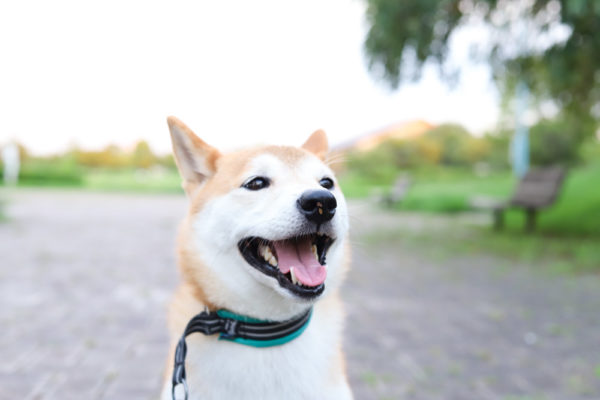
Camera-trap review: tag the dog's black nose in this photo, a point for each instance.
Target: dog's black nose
(317, 206)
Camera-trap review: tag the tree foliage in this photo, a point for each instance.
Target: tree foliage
(403, 35)
(550, 145)
(143, 157)
(446, 144)
(458, 146)
(111, 156)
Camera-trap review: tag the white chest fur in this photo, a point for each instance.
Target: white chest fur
(308, 367)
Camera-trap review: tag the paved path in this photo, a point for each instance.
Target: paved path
(84, 278)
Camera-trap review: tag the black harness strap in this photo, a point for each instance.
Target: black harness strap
(210, 323)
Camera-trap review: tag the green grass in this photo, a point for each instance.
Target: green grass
(577, 210)
(357, 186)
(555, 254)
(575, 213)
(567, 234)
(62, 174)
(165, 181)
(431, 190)
(452, 193)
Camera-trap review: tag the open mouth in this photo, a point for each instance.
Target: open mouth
(298, 263)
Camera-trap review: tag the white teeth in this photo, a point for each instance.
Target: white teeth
(262, 250)
(293, 274)
(314, 250)
(268, 254)
(272, 261)
(265, 252)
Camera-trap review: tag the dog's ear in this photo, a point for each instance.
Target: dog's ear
(317, 144)
(195, 159)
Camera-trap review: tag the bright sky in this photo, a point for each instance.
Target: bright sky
(237, 72)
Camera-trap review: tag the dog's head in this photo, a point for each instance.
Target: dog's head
(266, 229)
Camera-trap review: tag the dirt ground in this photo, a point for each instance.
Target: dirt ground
(84, 279)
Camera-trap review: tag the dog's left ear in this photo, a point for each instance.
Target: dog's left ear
(317, 144)
(195, 159)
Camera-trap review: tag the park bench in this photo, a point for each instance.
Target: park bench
(398, 191)
(538, 189)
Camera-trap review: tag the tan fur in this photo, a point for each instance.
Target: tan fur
(317, 144)
(228, 172)
(230, 169)
(192, 172)
(228, 175)
(217, 174)
(200, 145)
(192, 272)
(185, 305)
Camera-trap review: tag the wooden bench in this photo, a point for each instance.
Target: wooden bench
(538, 189)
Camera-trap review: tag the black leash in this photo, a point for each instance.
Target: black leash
(233, 327)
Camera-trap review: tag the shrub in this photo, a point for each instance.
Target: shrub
(552, 142)
(589, 151)
(457, 146)
(376, 165)
(62, 172)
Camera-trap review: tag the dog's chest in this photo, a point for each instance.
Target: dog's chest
(300, 369)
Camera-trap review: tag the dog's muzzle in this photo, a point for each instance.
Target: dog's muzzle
(317, 206)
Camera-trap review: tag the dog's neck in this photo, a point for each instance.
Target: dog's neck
(278, 313)
(275, 309)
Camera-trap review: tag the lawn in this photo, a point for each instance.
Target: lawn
(439, 190)
(555, 254)
(567, 236)
(63, 174)
(576, 212)
(567, 233)
(153, 181)
(431, 190)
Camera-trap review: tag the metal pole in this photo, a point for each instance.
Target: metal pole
(520, 141)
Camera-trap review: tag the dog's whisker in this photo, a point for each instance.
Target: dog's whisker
(332, 162)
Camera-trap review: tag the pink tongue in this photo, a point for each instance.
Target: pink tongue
(298, 254)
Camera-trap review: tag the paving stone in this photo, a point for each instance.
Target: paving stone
(85, 277)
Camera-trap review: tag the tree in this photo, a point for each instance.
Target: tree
(111, 156)
(454, 141)
(403, 35)
(550, 145)
(143, 157)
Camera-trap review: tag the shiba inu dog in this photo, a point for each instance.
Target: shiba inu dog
(264, 239)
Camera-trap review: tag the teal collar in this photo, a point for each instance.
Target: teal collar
(236, 328)
(262, 333)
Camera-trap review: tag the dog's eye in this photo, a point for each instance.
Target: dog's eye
(327, 183)
(257, 183)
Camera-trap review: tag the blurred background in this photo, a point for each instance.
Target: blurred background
(465, 135)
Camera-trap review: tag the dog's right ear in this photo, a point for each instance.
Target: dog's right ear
(195, 159)
(317, 144)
